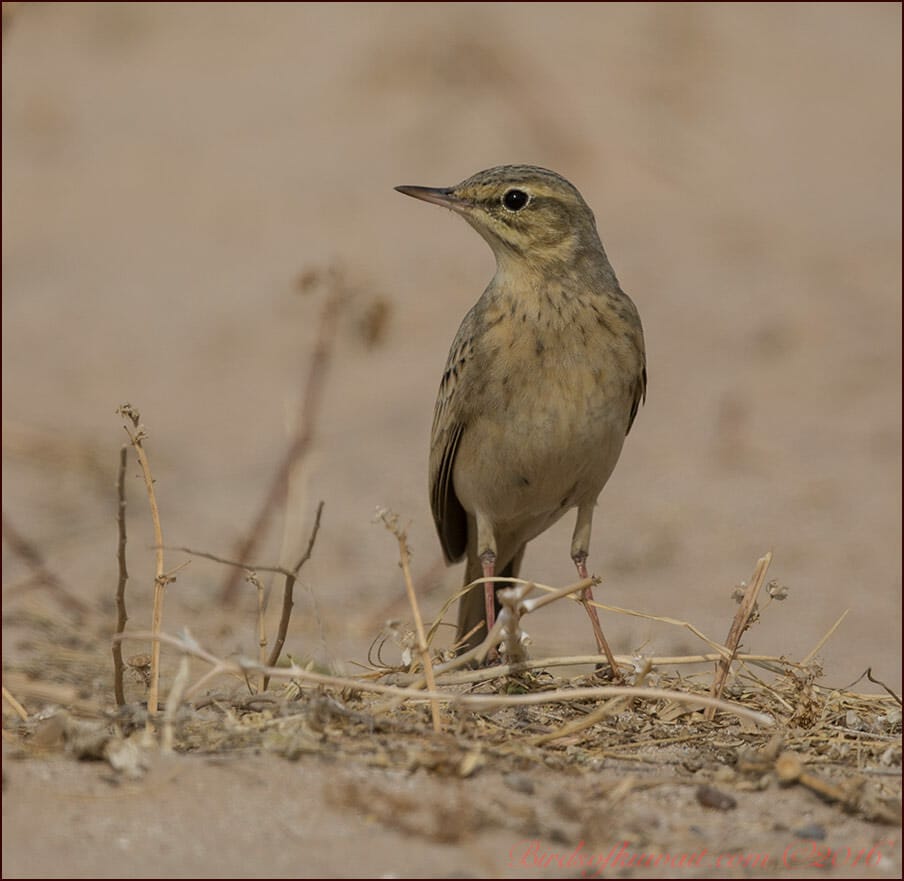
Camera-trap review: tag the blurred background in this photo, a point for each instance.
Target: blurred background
(185, 184)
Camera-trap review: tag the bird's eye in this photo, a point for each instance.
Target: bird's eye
(515, 200)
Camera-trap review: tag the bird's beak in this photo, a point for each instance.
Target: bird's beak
(443, 196)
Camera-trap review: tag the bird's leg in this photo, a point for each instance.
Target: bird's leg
(579, 549)
(488, 561)
(486, 551)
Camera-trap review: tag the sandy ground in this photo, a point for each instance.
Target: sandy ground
(243, 817)
(171, 172)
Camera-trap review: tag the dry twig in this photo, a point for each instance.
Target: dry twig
(173, 702)
(391, 522)
(740, 623)
(895, 695)
(790, 770)
(161, 577)
(825, 638)
(288, 590)
(121, 614)
(304, 433)
(513, 637)
(28, 552)
(525, 606)
(488, 702)
(18, 709)
(251, 578)
(291, 576)
(248, 567)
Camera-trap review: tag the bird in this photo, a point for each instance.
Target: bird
(542, 384)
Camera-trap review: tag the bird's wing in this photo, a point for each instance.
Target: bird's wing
(449, 419)
(640, 394)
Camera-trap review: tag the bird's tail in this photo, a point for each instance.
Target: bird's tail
(472, 606)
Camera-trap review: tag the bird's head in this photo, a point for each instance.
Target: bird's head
(521, 210)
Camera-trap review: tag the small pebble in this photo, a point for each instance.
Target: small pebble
(812, 832)
(519, 782)
(710, 797)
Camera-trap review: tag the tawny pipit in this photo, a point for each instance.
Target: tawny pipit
(542, 383)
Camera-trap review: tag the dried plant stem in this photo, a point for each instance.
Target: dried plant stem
(136, 437)
(738, 626)
(618, 610)
(261, 622)
(391, 521)
(478, 703)
(121, 615)
(291, 576)
(892, 694)
(173, 702)
(609, 708)
(513, 637)
(449, 676)
(525, 606)
(249, 567)
(662, 619)
(18, 709)
(44, 692)
(789, 769)
(826, 637)
(304, 434)
(288, 591)
(28, 552)
(553, 595)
